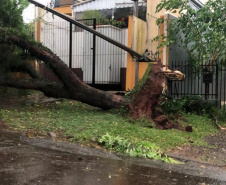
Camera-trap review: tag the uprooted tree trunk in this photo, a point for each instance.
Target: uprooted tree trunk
(147, 98)
(72, 87)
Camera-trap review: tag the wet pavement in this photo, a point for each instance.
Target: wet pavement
(36, 161)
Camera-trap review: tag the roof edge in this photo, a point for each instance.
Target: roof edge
(82, 3)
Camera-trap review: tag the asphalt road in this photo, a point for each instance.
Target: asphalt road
(45, 162)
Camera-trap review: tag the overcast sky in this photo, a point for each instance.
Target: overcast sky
(28, 13)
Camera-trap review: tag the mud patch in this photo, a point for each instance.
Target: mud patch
(163, 122)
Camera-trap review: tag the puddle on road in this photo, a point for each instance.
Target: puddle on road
(24, 164)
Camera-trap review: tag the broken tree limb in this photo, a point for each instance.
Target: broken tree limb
(217, 125)
(26, 68)
(76, 88)
(49, 89)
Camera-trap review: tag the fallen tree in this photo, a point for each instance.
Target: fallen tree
(70, 86)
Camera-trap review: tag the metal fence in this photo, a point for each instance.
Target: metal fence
(205, 80)
(96, 61)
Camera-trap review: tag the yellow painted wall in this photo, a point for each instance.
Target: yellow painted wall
(161, 31)
(161, 49)
(130, 71)
(140, 45)
(145, 32)
(64, 9)
(153, 29)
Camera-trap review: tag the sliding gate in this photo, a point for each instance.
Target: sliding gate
(95, 52)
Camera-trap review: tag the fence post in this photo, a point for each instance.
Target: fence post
(70, 47)
(94, 52)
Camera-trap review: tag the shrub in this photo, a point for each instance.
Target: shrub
(188, 104)
(143, 149)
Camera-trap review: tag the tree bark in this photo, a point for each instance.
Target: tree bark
(48, 88)
(147, 98)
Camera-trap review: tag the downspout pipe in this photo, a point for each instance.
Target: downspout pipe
(135, 8)
(135, 14)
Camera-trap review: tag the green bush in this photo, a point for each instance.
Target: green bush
(188, 104)
(91, 14)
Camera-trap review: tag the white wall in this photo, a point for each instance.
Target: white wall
(109, 58)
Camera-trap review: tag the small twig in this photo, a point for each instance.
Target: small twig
(217, 125)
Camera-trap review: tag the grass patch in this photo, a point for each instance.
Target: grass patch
(87, 124)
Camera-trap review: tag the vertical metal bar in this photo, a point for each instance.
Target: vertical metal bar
(198, 79)
(221, 82)
(172, 93)
(70, 47)
(207, 91)
(212, 67)
(89, 37)
(178, 82)
(216, 88)
(61, 40)
(99, 57)
(201, 79)
(191, 76)
(185, 80)
(223, 70)
(136, 72)
(224, 84)
(194, 85)
(195, 81)
(110, 34)
(176, 92)
(117, 59)
(181, 84)
(113, 52)
(188, 86)
(94, 52)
